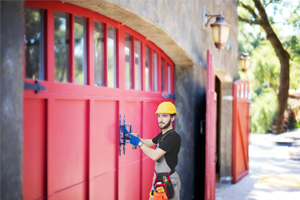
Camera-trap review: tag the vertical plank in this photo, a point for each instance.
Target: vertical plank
(71, 49)
(121, 58)
(143, 64)
(151, 69)
(210, 133)
(49, 44)
(105, 55)
(133, 61)
(34, 149)
(90, 52)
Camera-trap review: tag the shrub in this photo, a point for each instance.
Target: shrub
(297, 125)
(263, 109)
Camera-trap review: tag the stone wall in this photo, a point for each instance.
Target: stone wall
(11, 98)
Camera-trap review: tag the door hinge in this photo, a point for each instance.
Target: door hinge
(37, 86)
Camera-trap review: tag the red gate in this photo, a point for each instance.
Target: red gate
(210, 133)
(240, 130)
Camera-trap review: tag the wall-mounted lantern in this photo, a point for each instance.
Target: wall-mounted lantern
(220, 29)
(245, 62)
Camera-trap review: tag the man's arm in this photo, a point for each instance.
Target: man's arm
(147, 142)
(154, 154)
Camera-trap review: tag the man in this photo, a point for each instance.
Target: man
(167, 148)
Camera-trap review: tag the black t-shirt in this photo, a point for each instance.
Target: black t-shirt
(171, 145)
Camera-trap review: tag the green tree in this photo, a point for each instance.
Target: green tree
(254, 12)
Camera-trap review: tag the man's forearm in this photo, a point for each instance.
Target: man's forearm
(154, 154)
(147, 142)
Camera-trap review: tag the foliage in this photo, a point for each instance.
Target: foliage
(263, 110)
(297, 125)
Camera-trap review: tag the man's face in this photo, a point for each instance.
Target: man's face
(164, 120)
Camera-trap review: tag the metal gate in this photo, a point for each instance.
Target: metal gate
(210, 133)
(240, 130)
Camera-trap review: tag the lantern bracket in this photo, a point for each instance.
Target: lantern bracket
(208, 17)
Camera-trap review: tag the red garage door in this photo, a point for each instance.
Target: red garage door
(210, 132)
(97, 74)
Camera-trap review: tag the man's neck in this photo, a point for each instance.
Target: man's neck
(166, 129)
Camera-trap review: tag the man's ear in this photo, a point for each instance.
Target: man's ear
(173, 118)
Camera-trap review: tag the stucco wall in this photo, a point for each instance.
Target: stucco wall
(176, 26)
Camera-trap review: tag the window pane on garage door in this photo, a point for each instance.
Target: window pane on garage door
(111, 52)
(99, 53)
(34, 43)
(80, 50)
(62, 47)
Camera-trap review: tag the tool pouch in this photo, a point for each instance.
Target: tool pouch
(163, 183)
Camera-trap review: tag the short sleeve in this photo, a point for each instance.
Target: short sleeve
(155, 140)
(169, 142)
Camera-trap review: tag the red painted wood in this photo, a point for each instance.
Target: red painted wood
(68, 145)
(104, 146)
(117, 58)
(210, 133)
(151, 72)
(34, 149)
(150, 130)
(159, 73)
(90, 52)
(133, 62)
(121, 59)
(129, 163)
(105, 55)
(49, 53)
(166, 76)
(143, 63)
(240, 130)
(71, 50)
(78, 156)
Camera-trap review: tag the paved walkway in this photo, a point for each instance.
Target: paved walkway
(268, 155)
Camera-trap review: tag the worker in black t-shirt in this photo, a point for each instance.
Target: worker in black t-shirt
(167, 148)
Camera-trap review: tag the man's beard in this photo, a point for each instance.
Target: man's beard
(167, 125)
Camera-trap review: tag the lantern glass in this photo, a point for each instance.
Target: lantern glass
(245, 63)
(215, 33)
(220, 33)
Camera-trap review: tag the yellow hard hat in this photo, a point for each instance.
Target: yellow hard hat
(166, 107)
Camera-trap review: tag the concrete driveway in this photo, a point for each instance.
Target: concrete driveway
(270, 160)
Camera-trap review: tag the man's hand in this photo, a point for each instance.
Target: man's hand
(134, 140)
(127, 134)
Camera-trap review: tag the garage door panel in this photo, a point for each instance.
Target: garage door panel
(34, 148)
(104, 186)
(150, 121)
(76, 192)
(67, 144)
(104, 137)
(134, 118)
(132, 177)
(147, 176)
